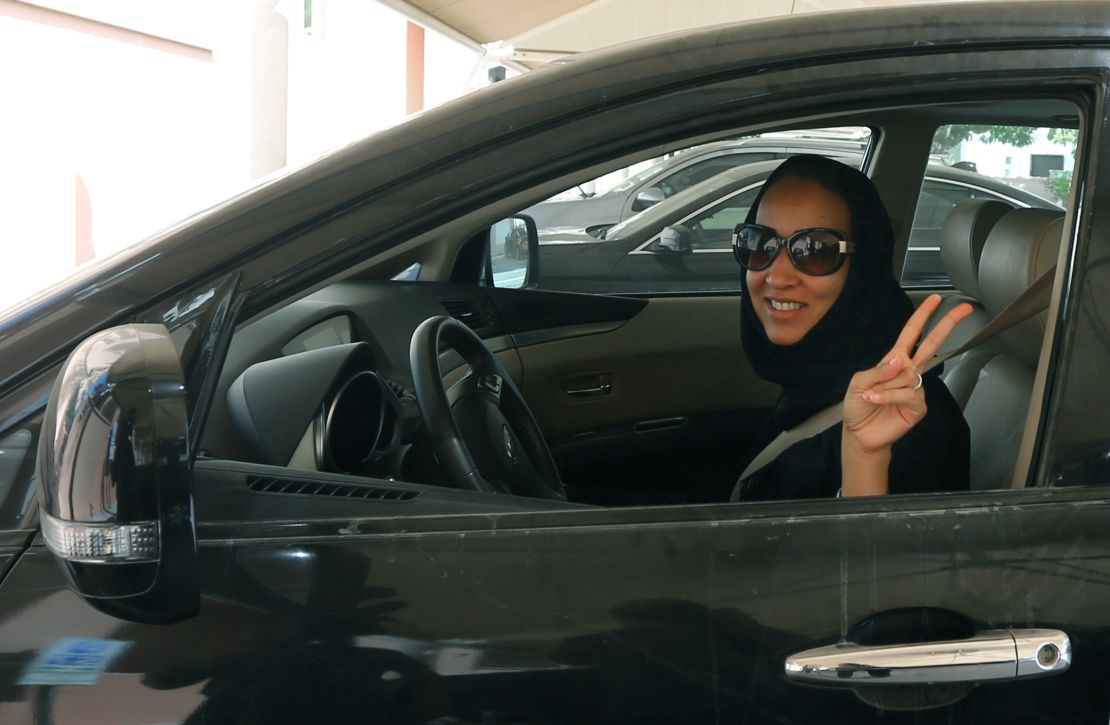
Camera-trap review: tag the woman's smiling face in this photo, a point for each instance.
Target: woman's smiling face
(789, 302)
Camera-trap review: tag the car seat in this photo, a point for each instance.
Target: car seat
(1021, 246)
(962, 238)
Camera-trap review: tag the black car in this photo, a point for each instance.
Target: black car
(684, 168)
(248, 476)
(638, 256)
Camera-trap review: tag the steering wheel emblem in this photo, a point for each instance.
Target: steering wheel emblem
(507, 437)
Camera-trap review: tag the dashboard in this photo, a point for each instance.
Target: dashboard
(324, 384)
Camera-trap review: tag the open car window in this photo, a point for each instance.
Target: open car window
(695, 195)
(570, 355)
(1021, 166)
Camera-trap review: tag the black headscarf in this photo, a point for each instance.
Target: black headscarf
(862, 324)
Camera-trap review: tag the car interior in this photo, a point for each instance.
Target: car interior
(343, 400)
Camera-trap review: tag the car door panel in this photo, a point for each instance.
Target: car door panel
(398, 617)
(641, 400)
(680, 354)
(678, 402)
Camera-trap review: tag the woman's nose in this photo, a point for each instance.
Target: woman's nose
(782, 272)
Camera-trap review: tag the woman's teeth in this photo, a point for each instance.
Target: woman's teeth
(786, 306)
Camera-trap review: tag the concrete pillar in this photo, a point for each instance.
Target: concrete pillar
(269, 109)
(414, 69)
(82, 214)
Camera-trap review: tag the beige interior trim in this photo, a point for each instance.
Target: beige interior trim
(678, 356)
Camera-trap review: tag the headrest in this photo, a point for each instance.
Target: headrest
(962, 238)
(1023, 245)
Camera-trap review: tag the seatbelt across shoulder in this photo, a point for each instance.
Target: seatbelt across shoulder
(1033, 300)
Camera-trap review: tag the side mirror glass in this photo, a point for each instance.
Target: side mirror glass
(114, 486)
(513, 260)
(675, 239)
(647, 198)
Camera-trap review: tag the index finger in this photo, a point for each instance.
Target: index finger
(939, 334)
(916, 325)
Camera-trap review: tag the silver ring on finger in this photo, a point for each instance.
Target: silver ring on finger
(920, 380)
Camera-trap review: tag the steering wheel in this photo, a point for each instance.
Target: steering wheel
(483, 434)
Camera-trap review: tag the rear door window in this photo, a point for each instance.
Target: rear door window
(1023, 166)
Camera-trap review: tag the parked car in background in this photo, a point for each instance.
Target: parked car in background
(247, 475)
(684, 243)
(686, 168)
(516, 241)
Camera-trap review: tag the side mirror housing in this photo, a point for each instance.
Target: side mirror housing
(513, 260)
(675, 239)
(647, 198)
(114, 486)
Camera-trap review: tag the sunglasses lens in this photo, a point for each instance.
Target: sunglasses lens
(815, 252)
(755, 246)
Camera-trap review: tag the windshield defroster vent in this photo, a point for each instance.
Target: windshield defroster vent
(264, 484)
(473, 314)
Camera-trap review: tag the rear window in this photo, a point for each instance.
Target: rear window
(1023, 166)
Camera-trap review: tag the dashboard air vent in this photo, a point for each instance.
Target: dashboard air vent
(472, 314)
(264, 484)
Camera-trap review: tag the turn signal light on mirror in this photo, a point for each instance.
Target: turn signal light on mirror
(101, 543)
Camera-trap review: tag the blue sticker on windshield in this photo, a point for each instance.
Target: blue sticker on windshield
(72, 661)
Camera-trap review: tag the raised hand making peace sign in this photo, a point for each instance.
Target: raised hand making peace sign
(883, 403)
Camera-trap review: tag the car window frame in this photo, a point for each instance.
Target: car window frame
(279, 288)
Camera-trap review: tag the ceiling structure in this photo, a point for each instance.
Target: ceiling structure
(531, 32)
(488, 21)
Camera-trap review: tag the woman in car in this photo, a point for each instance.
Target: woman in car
(824, 317)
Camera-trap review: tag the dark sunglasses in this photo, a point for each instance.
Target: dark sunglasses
(816, 252)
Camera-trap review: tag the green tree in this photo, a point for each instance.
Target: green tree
(948, 138)
(1064, 136)
(1059, 182)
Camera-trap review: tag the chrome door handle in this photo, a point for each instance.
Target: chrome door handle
(993, 655)
(585, 386)
(602, 389)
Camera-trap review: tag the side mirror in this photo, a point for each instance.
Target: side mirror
(114, 487)
(675, 239)
(514, 252)
(648, 197)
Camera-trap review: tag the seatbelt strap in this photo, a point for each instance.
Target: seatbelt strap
(1028, 303)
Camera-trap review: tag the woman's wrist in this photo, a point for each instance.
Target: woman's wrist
(864, 472)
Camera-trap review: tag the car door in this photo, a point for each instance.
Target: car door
(479, 608)
(952, 553)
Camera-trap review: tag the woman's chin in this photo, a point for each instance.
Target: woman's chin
(787, 327)
(783, 335)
